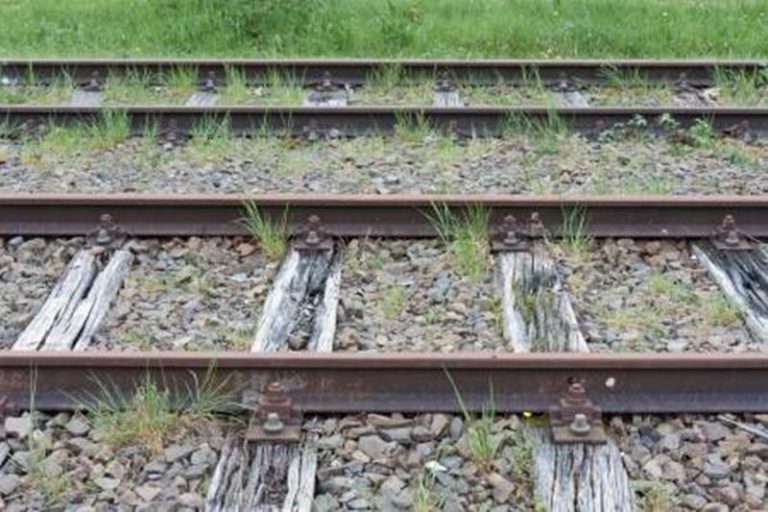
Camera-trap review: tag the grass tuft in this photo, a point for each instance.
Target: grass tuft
(574, 239)
(272, 236)
(412, 127)
(465, 236)
(720, 311)
(149, 416)
(483, 442)
(145, 419)
(425, 499)
(393, 302)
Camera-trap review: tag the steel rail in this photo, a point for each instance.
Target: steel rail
(405, 216)
(357, 71)
(363, 120)
(406, 382)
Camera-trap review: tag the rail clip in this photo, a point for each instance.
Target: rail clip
(312, 236)
(576, 419)
(513, 236)
(274, 418)
(108, 235)
(728, 237)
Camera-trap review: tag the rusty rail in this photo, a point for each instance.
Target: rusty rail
(376, 216)
(406, 382)
(364, 120)
(356, 71)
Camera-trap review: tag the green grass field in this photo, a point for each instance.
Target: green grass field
(386, 28)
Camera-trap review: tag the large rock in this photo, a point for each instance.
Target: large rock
(374, 446)
(18, 426)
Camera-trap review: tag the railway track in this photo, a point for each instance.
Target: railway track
(699, 73)
(573, 388)
(394, 216)
(58, 361)
(328, 108)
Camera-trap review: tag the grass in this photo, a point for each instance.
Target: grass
(720, 311)
(442, 28)
(574, 239)
(465, 236)
(211, 137)
(110, 128)
(741, 87)
(657, 497)
(412, 127)
(53, 486)
(425, 499)
(393, 302)
(482, 440)
(520, 456)
(547, 134)
(629, 86)
(272, 235)
(149, 416)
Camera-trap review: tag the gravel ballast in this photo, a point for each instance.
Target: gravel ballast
(381, 462)
(191, 294)
(633, 295)
(412, 163)
(409, 296)
(29, 268)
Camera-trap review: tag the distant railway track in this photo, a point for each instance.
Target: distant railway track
(395, 216)
(325, 110)
(354, 121)
(699, 73)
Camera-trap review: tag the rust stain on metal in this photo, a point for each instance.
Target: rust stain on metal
(372, 215)
(414, 382)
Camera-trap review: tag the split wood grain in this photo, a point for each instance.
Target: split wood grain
(61, 302)
(743, 278)
(539, 316)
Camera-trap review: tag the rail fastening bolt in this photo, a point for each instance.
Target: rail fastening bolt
(273, 424)
(580, 425)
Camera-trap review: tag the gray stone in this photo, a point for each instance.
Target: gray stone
(727, 494)
(204, 455)
(325, 503)
(156, 466)
(8, 483)
(336, 484)
(21, 458)
(502, 488)
(400, 435)
(148, 492)
(373, 446)
(439, 423)
(82, 446)
(359, 504)
(693, 501)
(715, 507)
(716, 468)
(331, 442)
(457, 427)
(191, 500)
(77, 426)
(421, 434)
(107, 484)
(653, 469)
(714, 431)
(670, 443)
(18, 426)
(672, 470)
(178, 451)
